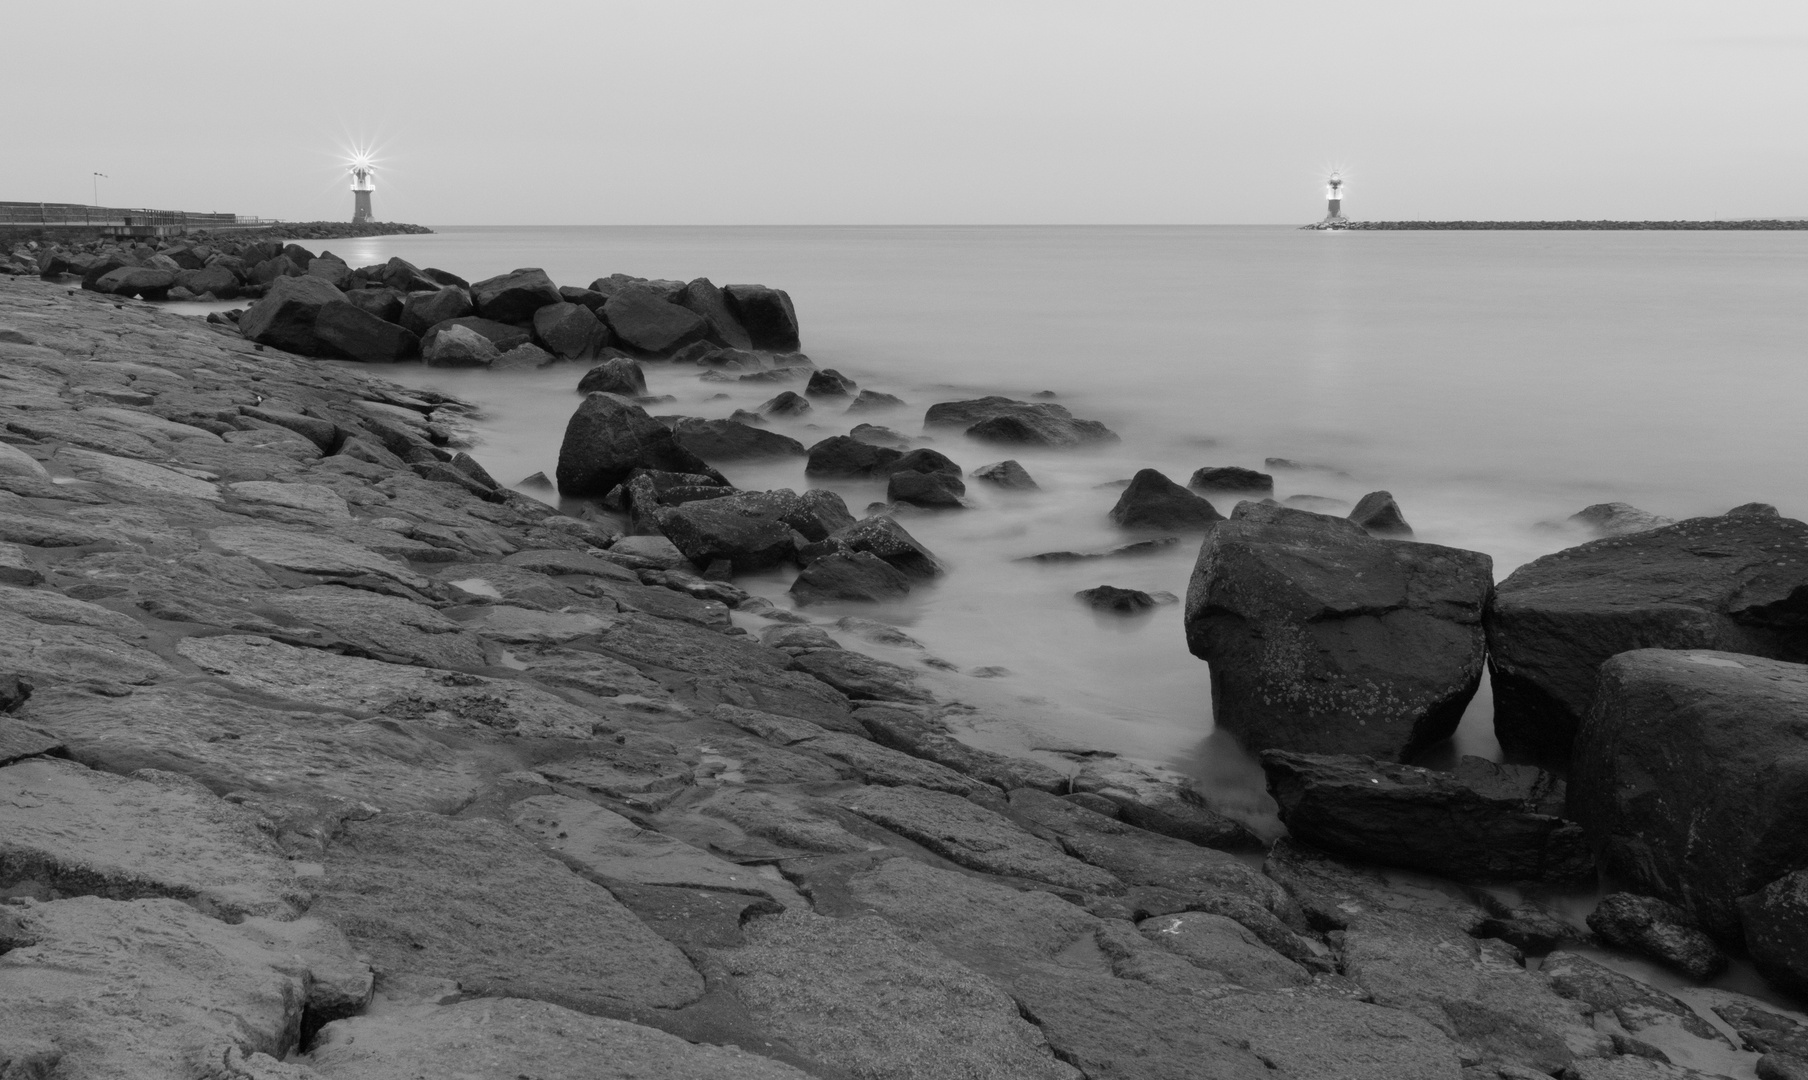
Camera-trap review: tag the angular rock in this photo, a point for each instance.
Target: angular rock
(729, 440)
(350, 331)
(1639, 1008)
(1002, 420)
(507, 1038)
(504, 336)
(1122, 601)
(1231, 480)
(142, 281)
(930, 490)
(789, 403)
(1161, 800)
(514, 297)
(1735, 583)
(1322, 639)
(422, 311)
(459, 346)
(742, 529)
(1007, 475)
(868, 400)
(621, 375)
(1690, 775)
(884, 537)
(1152, 501)
(285, 317)
(720, 325)
(608, 438)
(385, 303)
(1483, 823)
(767, 315)
(571, 331)
(1379, 515)
(1617, 519)
(72, 831)
(847, 457)
(856, 577)
(1776, 931)
(468, 900)
(830, 383)
(1647, 925)
(645, 323)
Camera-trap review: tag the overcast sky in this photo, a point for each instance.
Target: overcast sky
(794, 111)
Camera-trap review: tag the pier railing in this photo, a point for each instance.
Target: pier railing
(79, 215)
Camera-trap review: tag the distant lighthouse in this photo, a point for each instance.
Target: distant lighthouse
(1333, 201)
(363, 183)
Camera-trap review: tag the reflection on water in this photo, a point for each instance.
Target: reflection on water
(1491, 381)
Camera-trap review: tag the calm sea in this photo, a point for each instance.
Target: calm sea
(1494, 382)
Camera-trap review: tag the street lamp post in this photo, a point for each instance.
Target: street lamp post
(98, 177)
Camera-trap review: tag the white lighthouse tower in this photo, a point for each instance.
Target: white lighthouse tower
(1333, 202)
(363, 183)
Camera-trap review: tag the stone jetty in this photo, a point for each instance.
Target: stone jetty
(324, 755)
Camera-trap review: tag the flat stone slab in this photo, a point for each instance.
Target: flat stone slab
(71, 831)
(974, 837)
(306, 553)
(148, 989)
(469, 900)
(524, 626)
(232, 745)
(857, 995)
(508, 1038)
(384, 624)
(314, 498)
(610, 847)
(425, 696)
(125, 472)
(868, 760)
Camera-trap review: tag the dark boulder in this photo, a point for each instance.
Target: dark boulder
(1379, 515)
(927, 461)
(867, 400)
(930, 490)
(1737, 583)
(1007, 475)
(271, 269)
(284, 318)
(618, 376)
(140, 281)
(589, 298)
(403, 276)
(1481, 823)
(849, 458)
(422, 311)
(103, 264)
(218, 280)
(646, 324)
(1776, 931)
(855, 576)
(333, 271)
(829, 383)
(1617, 519)
(453, 345)
(884, 537)
(608, 438)
(350, 331)
(650, 490)
(299, 255)
(720, 326)
(1152, 501)
(501, 335)
(788, 403)
(1002, 420)
(753, 530)
(524, 357)
(1122, 601)
(878, 435)
(1230, 480)
(1323, 639)
(383, 302)
(570, 331)
(1659, 930)
(729, 440)
(767, 314)
(1690, 773)
(514, 297)
(446, 277)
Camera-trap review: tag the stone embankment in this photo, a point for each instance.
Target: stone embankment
(325, 755)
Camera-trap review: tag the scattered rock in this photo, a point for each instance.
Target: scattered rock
(929, 490)
(608, 438)
(884, 537)
(1230, 480)
(1661, 931)
(1123, 601)
(1007, 475)
(1002, 420)
(767, 314)
(285, 317)
(1663, 772)
(1379, 515)
(1484, 822)
(720, 325)
(829, 383)
(856, 577)
(1322, 639)
(460, 346)
(348, 330)
(647, 324)
(622, 376)
(1731, 583)
(843, 456)
(514, 297)
(730, 440)
(572, 332)
(1776, 931)
(1617, 519)
(1152, 501)
(868, 400)
(789, 403)
(422, 311)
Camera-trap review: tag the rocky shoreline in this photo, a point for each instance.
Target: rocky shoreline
(325, 755)
(1754, 225)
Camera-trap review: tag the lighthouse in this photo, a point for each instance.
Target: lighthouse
(363, 183)
(1333, 201)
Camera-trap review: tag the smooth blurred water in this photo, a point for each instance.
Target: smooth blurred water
(1492, 381)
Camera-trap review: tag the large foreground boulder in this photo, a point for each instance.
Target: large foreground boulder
(647, 324)
(767, 314)
(1325, 640)
(1737, 583)
(1690, 773)
(1482, 823)
(849, 458)
(422, 311)
(352, 332)
(285, 317)
(1152, 501)
(514, 297)
(141, 281)
(1002, 420)
(608, 438)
